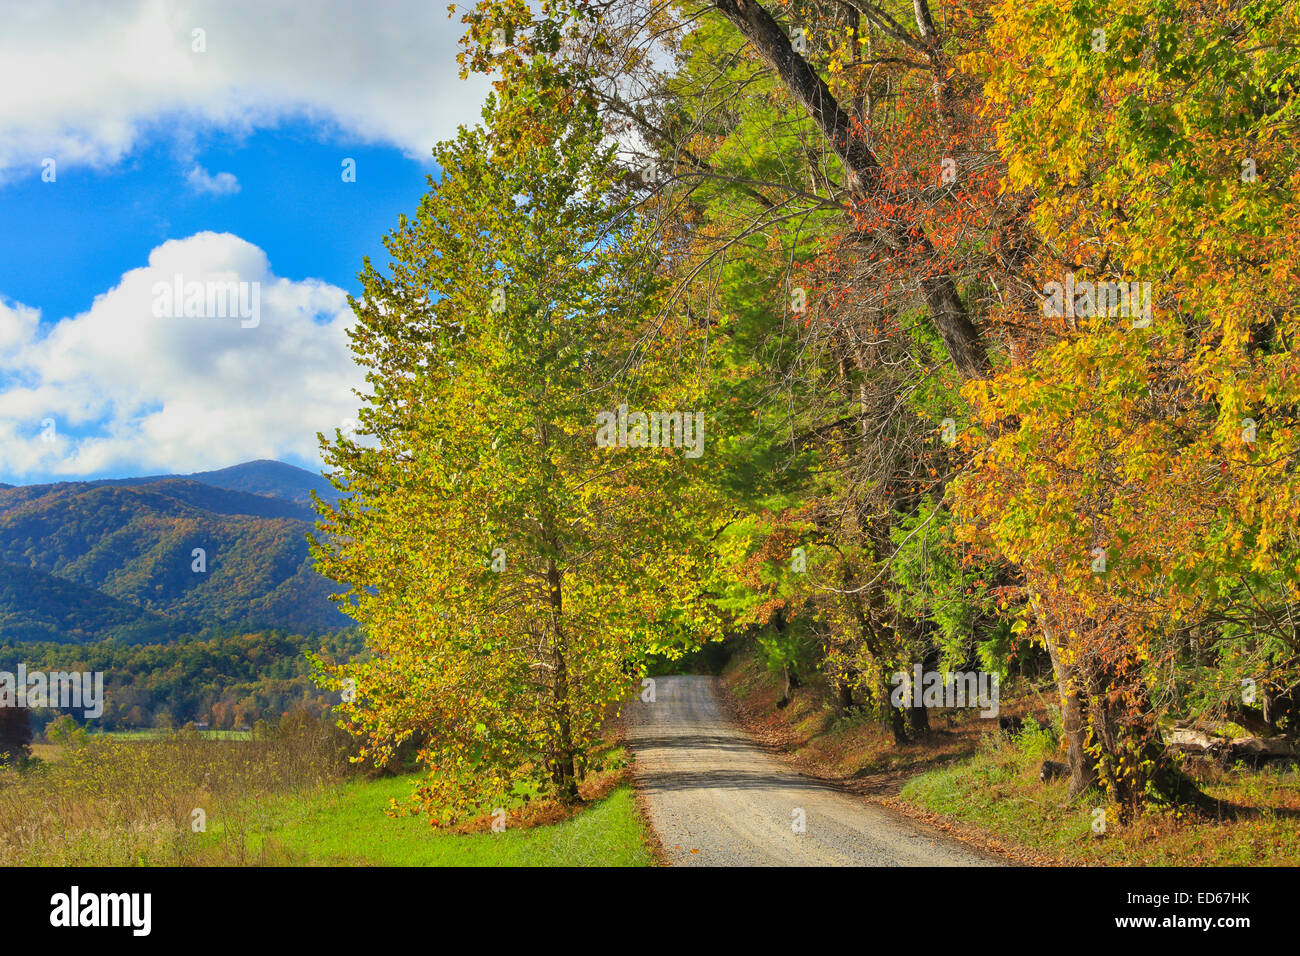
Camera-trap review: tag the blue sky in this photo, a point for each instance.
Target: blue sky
(67, 241)
(201, 140)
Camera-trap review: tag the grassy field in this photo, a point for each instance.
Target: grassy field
(52, 753)
(160, 734)
(287, 798)
(345, 825)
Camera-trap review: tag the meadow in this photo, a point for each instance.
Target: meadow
(287, 798)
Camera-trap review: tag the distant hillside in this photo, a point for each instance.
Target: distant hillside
(35, 606)
(271, 478)
(132, 542)
(222, 679)
(152, 493)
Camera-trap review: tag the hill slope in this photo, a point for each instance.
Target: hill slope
(135, 544)
(35, 606)
(274, 479)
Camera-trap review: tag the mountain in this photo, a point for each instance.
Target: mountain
(118, 556)
(150, 492)
(274, 479)
(35, 606)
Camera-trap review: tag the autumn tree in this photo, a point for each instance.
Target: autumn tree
(876, 200)
(633, 55)
(513, 564)
(1136, 463)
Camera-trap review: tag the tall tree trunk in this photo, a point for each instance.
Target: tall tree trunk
(918, 719)
(897, 726)
(918, 716)
(960, 337)
(563, 769)
(1083, 771)
(844, 702)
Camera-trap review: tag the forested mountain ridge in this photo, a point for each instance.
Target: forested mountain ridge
(36, 606)
(191, 494)
(160, 557)
(273, 479)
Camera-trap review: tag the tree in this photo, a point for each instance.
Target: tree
(921, 182)
(512, 555)
(622, 48)
(15, 734)
(1137, 464)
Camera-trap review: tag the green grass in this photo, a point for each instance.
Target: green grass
(998, 791)
(345, 824)
(162, 734)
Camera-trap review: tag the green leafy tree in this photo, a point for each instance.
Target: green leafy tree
(513, 558)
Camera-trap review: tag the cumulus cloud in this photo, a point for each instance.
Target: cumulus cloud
(222, 184)
(130, 390)
(86, 82)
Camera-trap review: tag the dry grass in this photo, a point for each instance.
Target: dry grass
(107, 802)
(288, 799)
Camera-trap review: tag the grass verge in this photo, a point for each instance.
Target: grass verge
(998, 790)
(346, 825)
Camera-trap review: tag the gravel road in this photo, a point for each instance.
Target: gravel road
(715, 798)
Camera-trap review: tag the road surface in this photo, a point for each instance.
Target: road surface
(715, 798)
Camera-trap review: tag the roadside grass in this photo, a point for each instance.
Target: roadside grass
(347, 825)
(998, 790)
(844, 747)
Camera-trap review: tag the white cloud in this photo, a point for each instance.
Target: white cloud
(84, 82)
(17, 324)
(132, 393)
(222, 184)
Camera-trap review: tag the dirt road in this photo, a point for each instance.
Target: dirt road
(716, 798)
